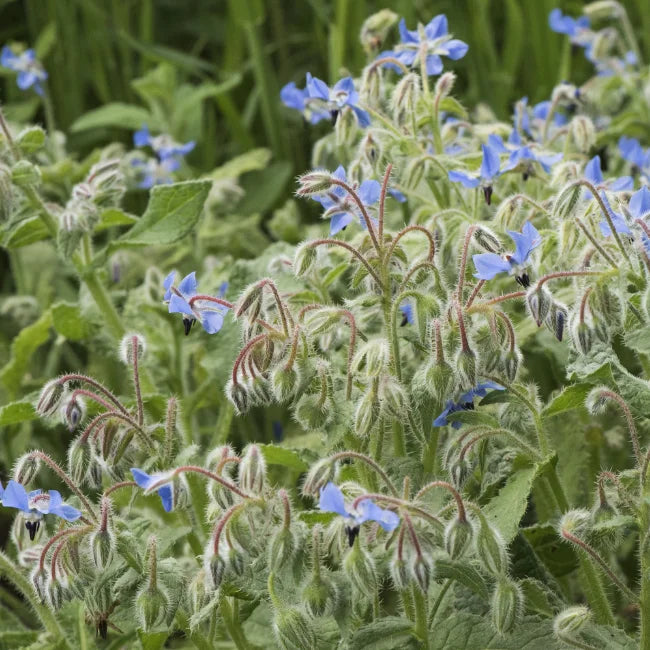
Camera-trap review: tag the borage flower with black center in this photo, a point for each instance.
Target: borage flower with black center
(488, 172)
(185, 300)
(30, 71)
(465, 403)
(332, 500)
(35, 504)
(341, 96)
(489, 265)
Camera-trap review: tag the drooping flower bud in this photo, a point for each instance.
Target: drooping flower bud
(304, 259)
(252, 470)
(539, 303)
(371, 358)
(458, 535)
(405, 97)
(79, 459)
(556, 319)
(444, 85)
(375, 28)
(314, 182)
(506, 606)
(487, 240)
(570, 621)
(151, 607)
(490, 548)
(318, 477)
(583, 337)
(422, 570)
(366, 414)
(459, 472)
(57, 594)
(50, 398)
(466, 368)
(102, 547)
(39, 582)
(26, 468)
(312, 412)
(584, 133)
(215, 568)
(282, 547)
(439, 378)
(567, 201)
(511, 363)
(239, 395)
(399, 573)
(284, 382)
(73, 412)
(319, 594)
(392, 397)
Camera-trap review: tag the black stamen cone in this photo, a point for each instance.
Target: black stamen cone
(187, 324)
(352, 532)
(32, 527)
(487, 193)
(523, 280)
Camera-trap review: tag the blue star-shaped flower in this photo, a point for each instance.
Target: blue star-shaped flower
(436, 40)
(522, 156)
(165, 491)
(407, 313)
(465, 402)
(632, 151)
(639, 205)
(488, 171)
(332, 500)
(30, 71)
(489, 265)
(576, 29)
(593, 173)
(155, 172)
(299, 100)
(35, 504)
(163, 145)
(340, 208)
(620, 224)
(210, 316)
(340, 96)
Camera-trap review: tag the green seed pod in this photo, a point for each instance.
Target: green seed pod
(294, 629)
(26, 175)
(361, 570)
(458, 535)
(507, 605)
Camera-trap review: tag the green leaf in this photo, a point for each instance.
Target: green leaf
(246, 162)
(68, 321)
(286, 457)
(557, 556)
(536, 597)
(23, 347)
(507, 508)
(17, 412)
(570, 398)
(30, 140)
(451, 105)
(171, 214)
(114, 217)
(152, 640)
(463, 573)
(26, 232)
(385, 633)
(263, 188)
(117, 115)
(464, 631)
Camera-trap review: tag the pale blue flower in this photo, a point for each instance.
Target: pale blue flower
(488, 171)
(165, 491)
(465, 403)
(577, 29)
(30, 71)
(299, 100)
(163, 145)
(489, 265)
(340, 96)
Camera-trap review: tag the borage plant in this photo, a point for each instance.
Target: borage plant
(458, 353)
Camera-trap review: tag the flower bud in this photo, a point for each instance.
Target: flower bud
(556, 319)
(73, 412)
(215, 568)
(261, 389)
(50, 398)
(250, 301)
(293, 629)
(345, 129)
(583, 337)
(79, 459)
(375, 28)
(26, 468)
(399, 573)
(511, 361)
(57, 594)
(6, 193)
(458, 535)
(318, 477)
(252, 470)
(567, 201)
(490, 548)
(370, 149)
(466, 363)
(102, 547)
(313, 412)
(539, 303)
(405, 97)
(304, 259)
(26, 175)
(39, 582)
(444, 85)
(151, 607)
(319, 320)
(392, 397)
(281, 548)
(459, 472)
(366, 415)
(371, 90)
(129, 344)
(600, 330)
(235, 559)
(239, 395)
(487, 240)
(439, 379)
(421, 570)
(584, 133)
(570, 621)
(371, 358)
(284, 383)
(506, 606)
(361, 570)
(314, 182)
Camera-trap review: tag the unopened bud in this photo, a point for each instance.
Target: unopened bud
(345, 129)
(567, 201)
(294, 629)
(304, 259)
(361, 570)
(252, 470)
(511, 362)
(130, 344)
(371, 358)
(366, 414)
(102, 546)
(151, 607)
(459, 472)
(318, 477)
(422, 571)
(405, 97)
(570, 621)
(556, 319)
(57, 594)
(73, 412)
(39, 582)
(392, 397)
(490, 548)
(583, 337)
(539, 303)
(215, 568)
(444, 85)
(458, 535)
(584, 133)
(439, 379)
(26, 468)
(506, 606)
(6, 193)
(284, 382)
(30, 140)
(371, 91)
(319, 595)
(596, 401)
(466, 363)
(79, 459)
(281, 548)
(26, 175)
(239, 396)
(50, 398)
(487, 240)
(314, 182)
(312, 412)
(375, 28)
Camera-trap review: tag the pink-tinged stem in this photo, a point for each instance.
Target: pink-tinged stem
(351, 249)
(382, 200)
(96, 385)
(450, 488)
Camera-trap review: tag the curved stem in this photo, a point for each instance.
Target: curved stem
(462, 516)
(369, 461)
(413, 228)
(96, 385)
(351, 249)
(463, 261)
(382, 200)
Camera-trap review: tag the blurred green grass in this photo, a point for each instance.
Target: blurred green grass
(96, 47)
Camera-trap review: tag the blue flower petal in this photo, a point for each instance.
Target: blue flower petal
(369, 511)
(456, 49)
(167, 497)
(178, 305)
(490, 164)
(188, 285)
(437, 27)
(15, 496)
(317, 89)
(143, 479)
(434, 64)
(640, 203)
(593, 172)
(465, 179)
(212, 321)
(525, 242)
(340, 221)
(142, 137)
(488, 265)
(331, 500)
(369, 192)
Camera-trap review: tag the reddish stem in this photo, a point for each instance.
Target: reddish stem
(382, 200)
